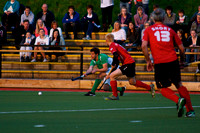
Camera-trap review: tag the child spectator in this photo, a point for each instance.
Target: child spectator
(118, 33)
(3, 34)
(133, 36)
(71, 22)
(106, 10)
(28, 40)
(181, 35)
(57, 40)
(28, 15)
(21, 31)
(40, 25)
(10, 17)
(170, 17)
(124, 18)
(90, 22)
(54, 25)
(182, 21)
(41, 40)
(46, 16)
(140, 18)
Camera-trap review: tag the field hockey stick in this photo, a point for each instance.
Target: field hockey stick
(105, 80)
(192, 63)
(80, 77)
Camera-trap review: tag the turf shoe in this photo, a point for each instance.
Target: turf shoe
(152, 91)
(112, 98)
(190, 114)
(90, 94)
(180, 106)
(122, 92)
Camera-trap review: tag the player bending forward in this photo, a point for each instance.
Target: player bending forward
(103, 63)
(161, 40)
(127, 68)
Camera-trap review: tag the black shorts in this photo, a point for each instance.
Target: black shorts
(167, 73)
(128, 70)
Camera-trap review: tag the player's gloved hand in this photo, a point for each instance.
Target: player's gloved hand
(182, 65)
(108, 76)
(149, 66)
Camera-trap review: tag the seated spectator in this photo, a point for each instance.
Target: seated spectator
(46, 16)
(193, 41)
(54, 25)
(140, 18)
(40, 25)
(3, 35)
(90, 23)
(181, 35)
(196, 25)
(133, 36)
(146, 25)
(126, 4)
(28, 40)
(124, 18)
(28, 15)
(170, 17)
(71, 22)
(194, 16)
(151, 21)
(182, 21)
(41, 40)
(118, 33)
(57, 40)
(10, 17)
(21, 31)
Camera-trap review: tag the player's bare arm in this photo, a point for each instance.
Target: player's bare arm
(104, 69)
(89, 70)
(146, 55)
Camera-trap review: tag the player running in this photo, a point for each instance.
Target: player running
(161, 39)
(103, 63)
(127, 68)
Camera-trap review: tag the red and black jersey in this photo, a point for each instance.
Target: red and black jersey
(124, 56)
(161, 39)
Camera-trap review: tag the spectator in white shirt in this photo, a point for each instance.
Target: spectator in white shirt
(119, 34)
(54, 25)
(42, 39)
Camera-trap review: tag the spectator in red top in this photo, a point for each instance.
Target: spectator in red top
(127, 68)
(161, 39)
(140, 18)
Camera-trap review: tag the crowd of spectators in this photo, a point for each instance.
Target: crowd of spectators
(46, 31)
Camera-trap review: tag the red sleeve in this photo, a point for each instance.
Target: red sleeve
(177, 39)
(113, 48)
(145, 35)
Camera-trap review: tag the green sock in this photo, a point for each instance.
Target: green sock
(96, 84)
(118, 88)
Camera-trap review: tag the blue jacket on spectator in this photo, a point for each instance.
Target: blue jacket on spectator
(75, 19)
(15, 6)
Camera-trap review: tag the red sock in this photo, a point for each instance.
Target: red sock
(114, 87)
(143, 85)
(168, 93)
(185, 94)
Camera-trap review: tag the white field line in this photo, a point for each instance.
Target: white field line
(87, 110)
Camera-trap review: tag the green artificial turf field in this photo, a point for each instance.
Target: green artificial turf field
(71, 112)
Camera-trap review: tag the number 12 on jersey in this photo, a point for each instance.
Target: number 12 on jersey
(163, 36)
